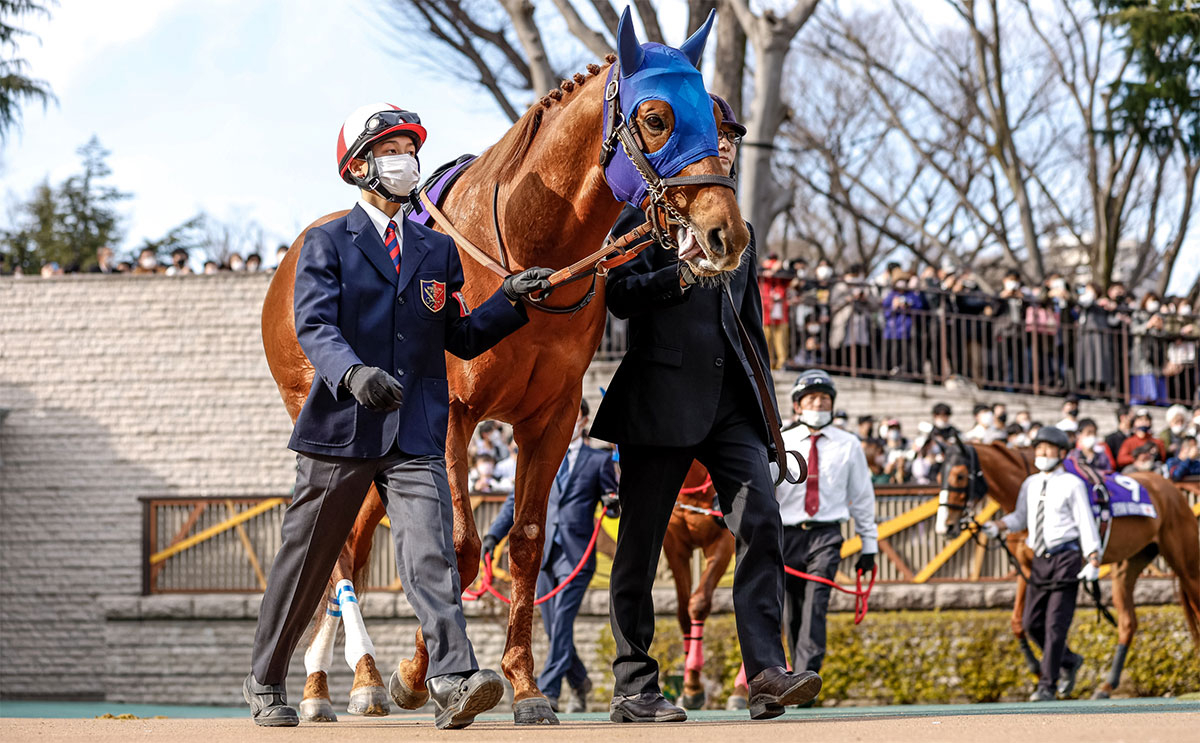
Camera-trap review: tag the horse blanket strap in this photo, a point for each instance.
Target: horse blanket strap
(460, 239)
(768, 407)
(439, 184)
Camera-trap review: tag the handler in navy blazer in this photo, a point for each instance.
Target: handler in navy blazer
(586, 477)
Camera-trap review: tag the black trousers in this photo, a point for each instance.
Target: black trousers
(805, 603)
(1049, 608)
(736, 456)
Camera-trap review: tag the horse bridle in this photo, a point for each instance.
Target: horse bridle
(618, 130)
(975, 487)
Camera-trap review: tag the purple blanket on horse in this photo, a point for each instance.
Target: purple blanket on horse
(1125, 496)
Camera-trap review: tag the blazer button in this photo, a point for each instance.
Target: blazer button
(399, 372)
(400, 299)
(719, 362)
(399, 336)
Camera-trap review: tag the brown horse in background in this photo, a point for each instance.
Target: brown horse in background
(555, 207)
(692, 528)
(1133, 543)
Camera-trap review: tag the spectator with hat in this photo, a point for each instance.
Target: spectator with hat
(1172, 435)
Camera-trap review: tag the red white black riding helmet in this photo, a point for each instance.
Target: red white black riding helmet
(369, 124)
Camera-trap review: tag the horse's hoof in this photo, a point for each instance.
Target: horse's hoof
(404, 697)
(534, 711)
(692, 701)
(369, 701)
(736, 702)
(1100, 693)
(317, 709)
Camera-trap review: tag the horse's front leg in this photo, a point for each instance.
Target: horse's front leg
(367, 695)
(541, 445)
(677, 548)
(408, 683)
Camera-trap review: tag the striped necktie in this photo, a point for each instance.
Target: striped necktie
(392, 242)
(1039, 524)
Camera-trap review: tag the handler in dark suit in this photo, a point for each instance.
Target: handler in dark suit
(685, 391)
(585, 478)
(377, 305)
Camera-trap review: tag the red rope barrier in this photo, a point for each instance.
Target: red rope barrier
(485, 584)
(860, 596)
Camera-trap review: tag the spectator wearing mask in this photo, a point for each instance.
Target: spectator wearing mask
(866, 429)
(840, 418)
(179, 263)
(482, 477)
(1010, 330)
(1147, 352)
(900, 341)
(147, 263)
(1090, 449)
(1177, 417)
(211, 268)
(896, 466)
(105, 261)
(1186, 463)
(876, 459)
(1141, 437)
(1015, 436)
(1041, 328)
(1120, 317)
(280, 254)
(1024, 420)
(1145, 459)
(1000, 420)
(971, 333)
(850, 307)
(1124, 428)
(1070, 411)
(489, 438)
(927, 460)
(253, 263)
(1182, 351)
(773, 283)
(942, 426)
(983, 432)
(1093, 342)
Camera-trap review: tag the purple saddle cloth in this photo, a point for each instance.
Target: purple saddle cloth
(1125, 497)
(438, 186)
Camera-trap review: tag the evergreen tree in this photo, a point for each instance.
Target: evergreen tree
(15, 85)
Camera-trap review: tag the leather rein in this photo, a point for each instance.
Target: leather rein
(660, 213)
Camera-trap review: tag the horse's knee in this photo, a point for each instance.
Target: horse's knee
(699, 607)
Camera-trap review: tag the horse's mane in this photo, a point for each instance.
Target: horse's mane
(499, 162)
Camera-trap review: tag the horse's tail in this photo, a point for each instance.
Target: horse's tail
(1183, 555)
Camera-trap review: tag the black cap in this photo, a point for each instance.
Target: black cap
(982, 408)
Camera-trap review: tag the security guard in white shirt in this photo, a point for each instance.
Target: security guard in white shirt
(838, 488)
(1053, 505)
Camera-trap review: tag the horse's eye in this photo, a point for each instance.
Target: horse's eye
(655, 122)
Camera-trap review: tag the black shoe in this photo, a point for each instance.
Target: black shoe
(460, 698)
(553, 702)
(268, 704)
(1066, 677)
(648, 706)
(1041, 695)
(776, 688)
(579, 697)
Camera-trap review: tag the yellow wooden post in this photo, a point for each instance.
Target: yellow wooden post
(213, 531)
(955, 545)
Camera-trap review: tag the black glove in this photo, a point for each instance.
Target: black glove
(612, 505)
(525, 283)
(489, 544)
(866, 563)
(374, 388)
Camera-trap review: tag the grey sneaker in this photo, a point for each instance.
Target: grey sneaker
(460, 699)
(268, 704)
(579, 697)
(1041, 695)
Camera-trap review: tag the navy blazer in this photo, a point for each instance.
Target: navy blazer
(352, 308)
(571, 514)
(683, 347)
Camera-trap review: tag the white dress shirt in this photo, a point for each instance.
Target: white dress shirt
(380, 220)
(984, 434)
(573, 450)
(844, 481)
(1067, 516)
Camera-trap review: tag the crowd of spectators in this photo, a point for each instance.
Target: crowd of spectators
(147, 262)
(1052, 338)
(1133, 445)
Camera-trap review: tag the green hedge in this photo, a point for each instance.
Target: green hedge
(930, 657)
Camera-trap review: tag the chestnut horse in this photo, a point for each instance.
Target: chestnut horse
(693, 527)
(1133, 543)
(555, 207)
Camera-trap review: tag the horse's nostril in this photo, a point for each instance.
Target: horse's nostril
(716, 241)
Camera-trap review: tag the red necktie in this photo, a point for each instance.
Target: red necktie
(391, 241)
(812, 495)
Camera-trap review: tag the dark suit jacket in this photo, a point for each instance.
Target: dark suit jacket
(351, 308)
(683, 346)
(571, 514)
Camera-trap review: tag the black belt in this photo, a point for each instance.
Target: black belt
(811, 525)
(1072, 545)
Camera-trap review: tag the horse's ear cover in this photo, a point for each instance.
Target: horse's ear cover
(629, 49)
(693, 48)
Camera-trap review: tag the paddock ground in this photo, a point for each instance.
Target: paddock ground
(1134, 720)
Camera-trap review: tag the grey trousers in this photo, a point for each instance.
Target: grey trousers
(329, 492)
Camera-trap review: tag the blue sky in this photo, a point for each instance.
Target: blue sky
(232, 107)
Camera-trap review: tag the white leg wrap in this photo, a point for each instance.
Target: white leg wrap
(319, 656)
(358, 643)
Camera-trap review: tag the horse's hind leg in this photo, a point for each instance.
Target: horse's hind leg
(1124, 576)
(316, 705)
(367, 695)
(677, 548)
(1024, 557)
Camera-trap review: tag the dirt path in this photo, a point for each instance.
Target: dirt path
(1146, 723)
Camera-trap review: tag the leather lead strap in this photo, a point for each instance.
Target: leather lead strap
(768, 407)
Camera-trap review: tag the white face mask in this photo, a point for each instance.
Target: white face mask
(1010, 285)
(1087, 299)
(237, 266)
(1152, 306)
(985, 419)
(399, 174)
(1087, 443)
(1058, 284)
(824, 272)
(1177, 429)
(815, 418)
(149, 262)
(1045, 464)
